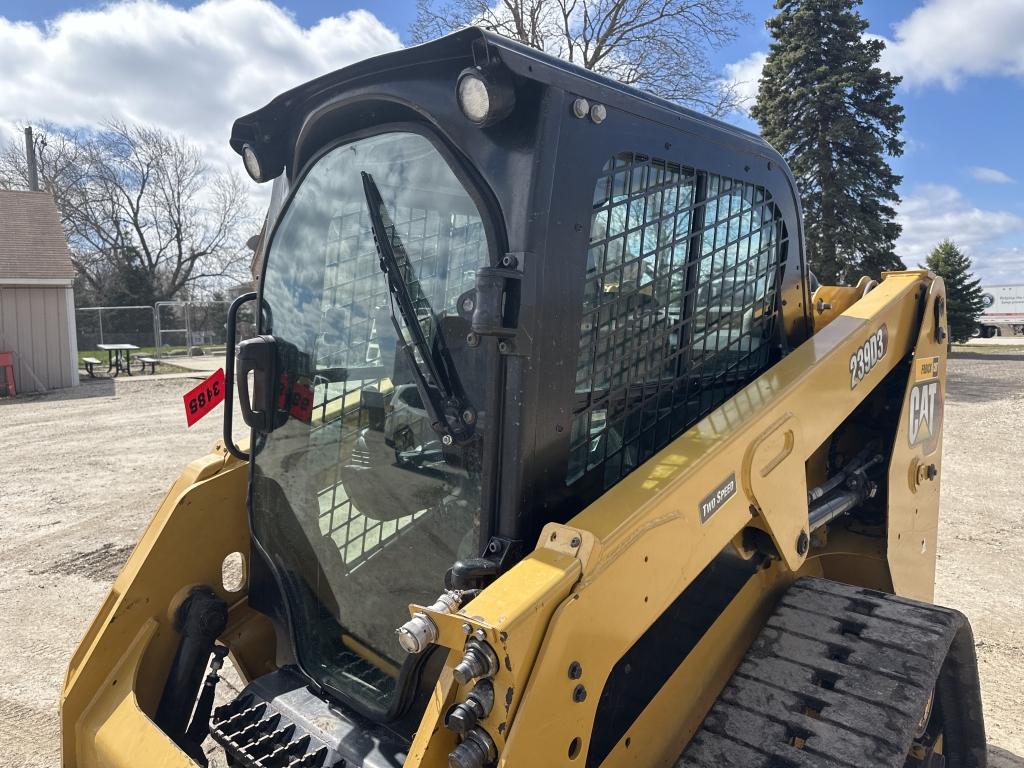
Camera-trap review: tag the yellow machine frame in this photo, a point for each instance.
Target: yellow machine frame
(592, 586)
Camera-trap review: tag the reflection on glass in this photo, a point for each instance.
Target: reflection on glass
(678, 308)
(355, 502)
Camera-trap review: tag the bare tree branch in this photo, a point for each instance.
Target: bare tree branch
(656, 45)
(145, 216)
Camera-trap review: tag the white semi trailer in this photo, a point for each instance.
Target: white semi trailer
(1004, 311)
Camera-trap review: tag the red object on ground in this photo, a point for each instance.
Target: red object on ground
(204, 398)
(7, 365)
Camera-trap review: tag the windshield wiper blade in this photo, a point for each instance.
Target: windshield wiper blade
(439, 386)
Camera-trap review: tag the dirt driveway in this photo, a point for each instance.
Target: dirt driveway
(82, 471)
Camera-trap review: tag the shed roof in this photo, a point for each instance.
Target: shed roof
(32, 243)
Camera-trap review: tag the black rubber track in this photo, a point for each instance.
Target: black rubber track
(840, 676)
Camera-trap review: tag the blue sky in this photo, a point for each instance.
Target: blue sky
(194, 66)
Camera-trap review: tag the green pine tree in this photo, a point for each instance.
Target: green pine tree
(827, 107)
(964, 303)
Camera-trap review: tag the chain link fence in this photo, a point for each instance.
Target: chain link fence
(114, 325)
(166, 329)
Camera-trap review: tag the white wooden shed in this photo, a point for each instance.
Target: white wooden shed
(37, 302)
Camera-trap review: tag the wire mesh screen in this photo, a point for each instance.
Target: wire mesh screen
(442, 251)
(679, 308)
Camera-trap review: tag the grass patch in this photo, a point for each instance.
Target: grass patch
(169, 356)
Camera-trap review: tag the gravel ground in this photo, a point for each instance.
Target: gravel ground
(83, 470)
(980, 544)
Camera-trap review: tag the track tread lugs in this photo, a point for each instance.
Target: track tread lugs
(838, 676)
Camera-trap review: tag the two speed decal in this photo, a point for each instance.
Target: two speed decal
(868, 355)
(725, 491)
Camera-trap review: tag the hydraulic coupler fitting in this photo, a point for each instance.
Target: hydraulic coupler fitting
(419, 631)
(480, 660)
(464, 716)
(476, 751)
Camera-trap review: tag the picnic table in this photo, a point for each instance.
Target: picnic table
(118, 362)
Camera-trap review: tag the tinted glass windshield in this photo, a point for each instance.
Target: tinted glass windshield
(356, 501)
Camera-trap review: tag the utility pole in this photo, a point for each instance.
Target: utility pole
(30, 155)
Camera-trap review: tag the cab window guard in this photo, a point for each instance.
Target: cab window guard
(679, 311)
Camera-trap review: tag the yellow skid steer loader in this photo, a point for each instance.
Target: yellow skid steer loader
(557, 457)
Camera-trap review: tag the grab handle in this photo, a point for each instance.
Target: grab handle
(258, 356)
(229, 376)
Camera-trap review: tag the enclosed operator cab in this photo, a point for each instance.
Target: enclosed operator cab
(548, 438)
(492, 286)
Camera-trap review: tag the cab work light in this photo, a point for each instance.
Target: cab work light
(485, 94)
(252, 163)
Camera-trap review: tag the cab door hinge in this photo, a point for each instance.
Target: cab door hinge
(496, 305)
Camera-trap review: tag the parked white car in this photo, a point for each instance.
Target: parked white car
(407, 427)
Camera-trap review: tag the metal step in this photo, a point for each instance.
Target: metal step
(256, 733)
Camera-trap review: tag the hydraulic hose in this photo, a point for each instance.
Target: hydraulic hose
(200, 619)
(823, 509)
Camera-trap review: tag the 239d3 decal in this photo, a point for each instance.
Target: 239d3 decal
(868, 355)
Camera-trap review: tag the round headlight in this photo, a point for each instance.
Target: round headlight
(473, 98)
(485, 95)
(252, 163)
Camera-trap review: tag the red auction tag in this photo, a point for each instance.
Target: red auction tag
(302, 401)
(295, 398)
(204, 398)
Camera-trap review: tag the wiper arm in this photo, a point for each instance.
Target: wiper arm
(439, 386)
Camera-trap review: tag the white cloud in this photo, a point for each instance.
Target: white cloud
(997, 266)
(191, 71)
(935, 211)
(994, 175)
(946, 41)
(743, 76)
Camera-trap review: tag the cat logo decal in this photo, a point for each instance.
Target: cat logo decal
(925, 423)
